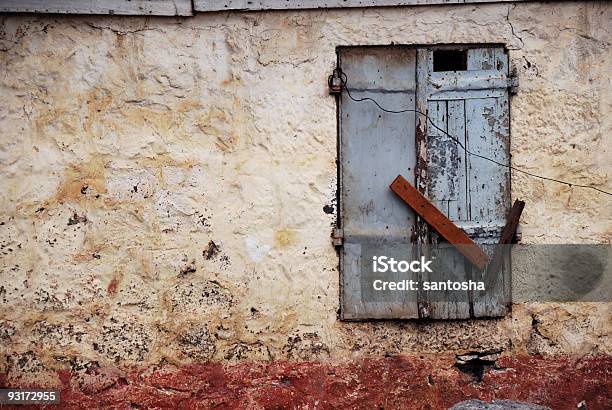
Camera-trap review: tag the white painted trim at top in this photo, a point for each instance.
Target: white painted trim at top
(120, 7)
(220, 5)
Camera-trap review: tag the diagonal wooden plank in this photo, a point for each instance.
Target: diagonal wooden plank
(506, 236)
(439, 221)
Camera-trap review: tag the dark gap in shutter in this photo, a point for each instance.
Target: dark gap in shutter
(450, 60)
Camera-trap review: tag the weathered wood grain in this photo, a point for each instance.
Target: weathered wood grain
(220, 5)
(488, 135)
(119, 7)
(507, 236)
(439, 221)
(374, 147)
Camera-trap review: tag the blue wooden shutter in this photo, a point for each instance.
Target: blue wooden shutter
(374, 148)
(472, 106)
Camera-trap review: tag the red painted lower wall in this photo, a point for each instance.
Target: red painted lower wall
(386, 382)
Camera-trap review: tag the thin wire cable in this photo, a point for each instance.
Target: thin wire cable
(570, 184)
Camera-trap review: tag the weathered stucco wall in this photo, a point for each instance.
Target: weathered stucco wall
(164, 183)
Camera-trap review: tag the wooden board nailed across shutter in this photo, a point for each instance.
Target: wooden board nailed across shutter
(472, 106)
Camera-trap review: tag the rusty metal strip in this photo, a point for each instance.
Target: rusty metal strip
(507, 236)
(439, 221)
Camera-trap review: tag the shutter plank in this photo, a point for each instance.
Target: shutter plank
(487, 124)
(501, 60)
(488, 182)
(438, 157)
(374, 147)
(446, 164)
(449, 304)
(494, 198)
(456, 127)
(494, 301)
(481, 58)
